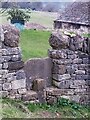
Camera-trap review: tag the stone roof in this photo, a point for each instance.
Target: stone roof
(77, 12)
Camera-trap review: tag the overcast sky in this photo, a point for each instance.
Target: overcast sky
(38, 0)
(44, 0)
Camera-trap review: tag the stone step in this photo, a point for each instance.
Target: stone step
(30, 95)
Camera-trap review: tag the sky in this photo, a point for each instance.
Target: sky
(38, 0)
(44, 0)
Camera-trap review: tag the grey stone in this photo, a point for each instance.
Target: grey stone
(3, 94)
(3, 72)
(20, 74)
(77, 61)
(16, 58)
(38, 68)
(12, 92)
(4, 76)
(85, 60)
(72, 56)
(16, 84)
(63, 84)
(82, 91)
(69, 69)
(61, 77)
(11, 36)
(66, 97)
(57, 54)
(58, 69)
(88, 82)
(41, 96)
(11, 76)
(83, 66)
(51, 100)
(11, 97)
(5, 65)
(84, 99)
(6, 58)
(7, 86)
(58, 41)
(75, 98)
(4, 52)
(69, 52)
(30, 95)
(82, 77)
(1, 59)
(74, 66)
(80, 72)
(1, 81)
(0, 66)
(77, 84)
(18, 96)
(32, 101)
(15, 65)
(62, 61)
(11, 51)
(22, 91)
(0, 87)
(53, 91)
(83, 55)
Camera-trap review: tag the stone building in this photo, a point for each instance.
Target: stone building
(75, 17)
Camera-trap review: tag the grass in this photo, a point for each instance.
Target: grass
(34, 44)
(63, 108)
(86, 35)
(10, 109)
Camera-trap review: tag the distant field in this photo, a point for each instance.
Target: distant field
(34, 44)
(44, 18)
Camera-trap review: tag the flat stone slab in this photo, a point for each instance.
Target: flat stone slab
(58, 77)
(16, 84)
(30, 95)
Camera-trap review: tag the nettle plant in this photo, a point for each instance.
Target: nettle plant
(18, 15)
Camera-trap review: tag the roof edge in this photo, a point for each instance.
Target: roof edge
(72, 22)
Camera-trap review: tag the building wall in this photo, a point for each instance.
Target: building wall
(71, 26)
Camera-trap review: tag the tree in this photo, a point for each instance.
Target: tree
(17, 15)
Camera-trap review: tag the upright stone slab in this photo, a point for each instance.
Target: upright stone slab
(12, 76)
(70, 71)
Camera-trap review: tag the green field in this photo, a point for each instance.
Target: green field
(34, 44)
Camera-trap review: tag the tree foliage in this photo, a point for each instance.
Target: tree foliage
(18, 14)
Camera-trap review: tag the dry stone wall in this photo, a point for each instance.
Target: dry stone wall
(70, 72)
(69, 69)
(12, 76)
